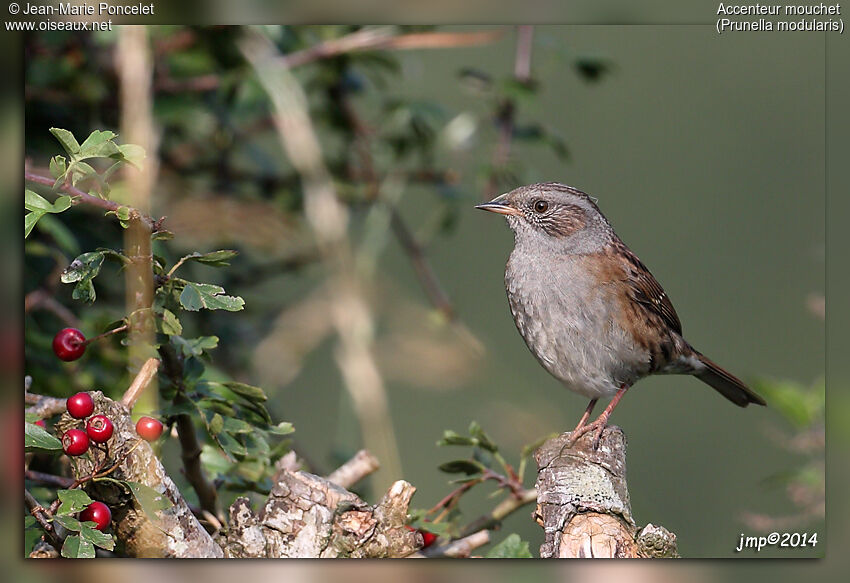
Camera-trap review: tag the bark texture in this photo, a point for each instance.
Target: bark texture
(583, 502)
(308, 516)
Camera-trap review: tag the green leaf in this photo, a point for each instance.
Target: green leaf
(36, 202)
(99, 144)
(122, 213)
(800, 405)
(195, 346)
(190, 298)
(69, 522)
(93, 536)
(162, 236)
(32, 533)
(149, 499)
(441, 529)
(77, 548)
(169, 324)
(257, 445)
(518, 90)
(233, 425)
(81, 171)
(467, 467)
(512, 547)
(251, 393)
(37, 438)
(205, 295)
(215, 258)
(452, 438)
(133, 154)
(67, 140)
(58, 165)
(256, 408)
(30, 219)
(73, 501)
(39, 206)
(216, 424)
(481, 437)
(82, 271)
(282, 428)
(251, 470)
(230, 446)
(214, 460)
(63, 236)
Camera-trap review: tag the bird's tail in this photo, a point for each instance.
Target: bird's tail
(726, 383)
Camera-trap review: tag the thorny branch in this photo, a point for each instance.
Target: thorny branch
(189, 445)
(80, 197)
(43, 518)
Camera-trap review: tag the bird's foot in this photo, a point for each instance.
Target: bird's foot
(598, 426)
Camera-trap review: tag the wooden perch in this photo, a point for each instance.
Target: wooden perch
(175, 532)
(307, 516)
(583, 502)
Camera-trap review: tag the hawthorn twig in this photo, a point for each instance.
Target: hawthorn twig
(42, 516)
(501, 511)
(49, 479)
(140, 383)
(121, 328)
(45, 406)
(460, 548)
(41, 298)
(358, 467)
(80, 197)
(189, 445)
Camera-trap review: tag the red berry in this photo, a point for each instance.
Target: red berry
(97, 512)
(69, 344)
(428, 538)
(41, 423)
(99, 428)
(80, 405)
(149, 428)
(75, 442)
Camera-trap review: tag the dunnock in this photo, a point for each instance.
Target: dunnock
(586, 306)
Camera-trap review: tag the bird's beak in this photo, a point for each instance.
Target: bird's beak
(499, 205)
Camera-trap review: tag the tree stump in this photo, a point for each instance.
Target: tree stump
(583, 502)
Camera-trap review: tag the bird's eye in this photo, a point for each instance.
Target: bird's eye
(541, 206)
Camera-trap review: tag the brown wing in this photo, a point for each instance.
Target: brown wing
(646, 290)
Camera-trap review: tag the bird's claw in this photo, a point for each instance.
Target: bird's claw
(598, 426)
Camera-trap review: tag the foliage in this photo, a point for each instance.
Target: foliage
(233, 413)
(217, 136)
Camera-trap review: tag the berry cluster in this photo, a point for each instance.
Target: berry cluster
(69, 344)
(99, 428)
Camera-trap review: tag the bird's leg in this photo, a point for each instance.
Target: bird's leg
(586, 415)
(602, 421)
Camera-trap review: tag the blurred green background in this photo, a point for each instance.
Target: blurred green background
(706, 154)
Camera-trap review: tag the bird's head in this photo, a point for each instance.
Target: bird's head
(553, 215)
